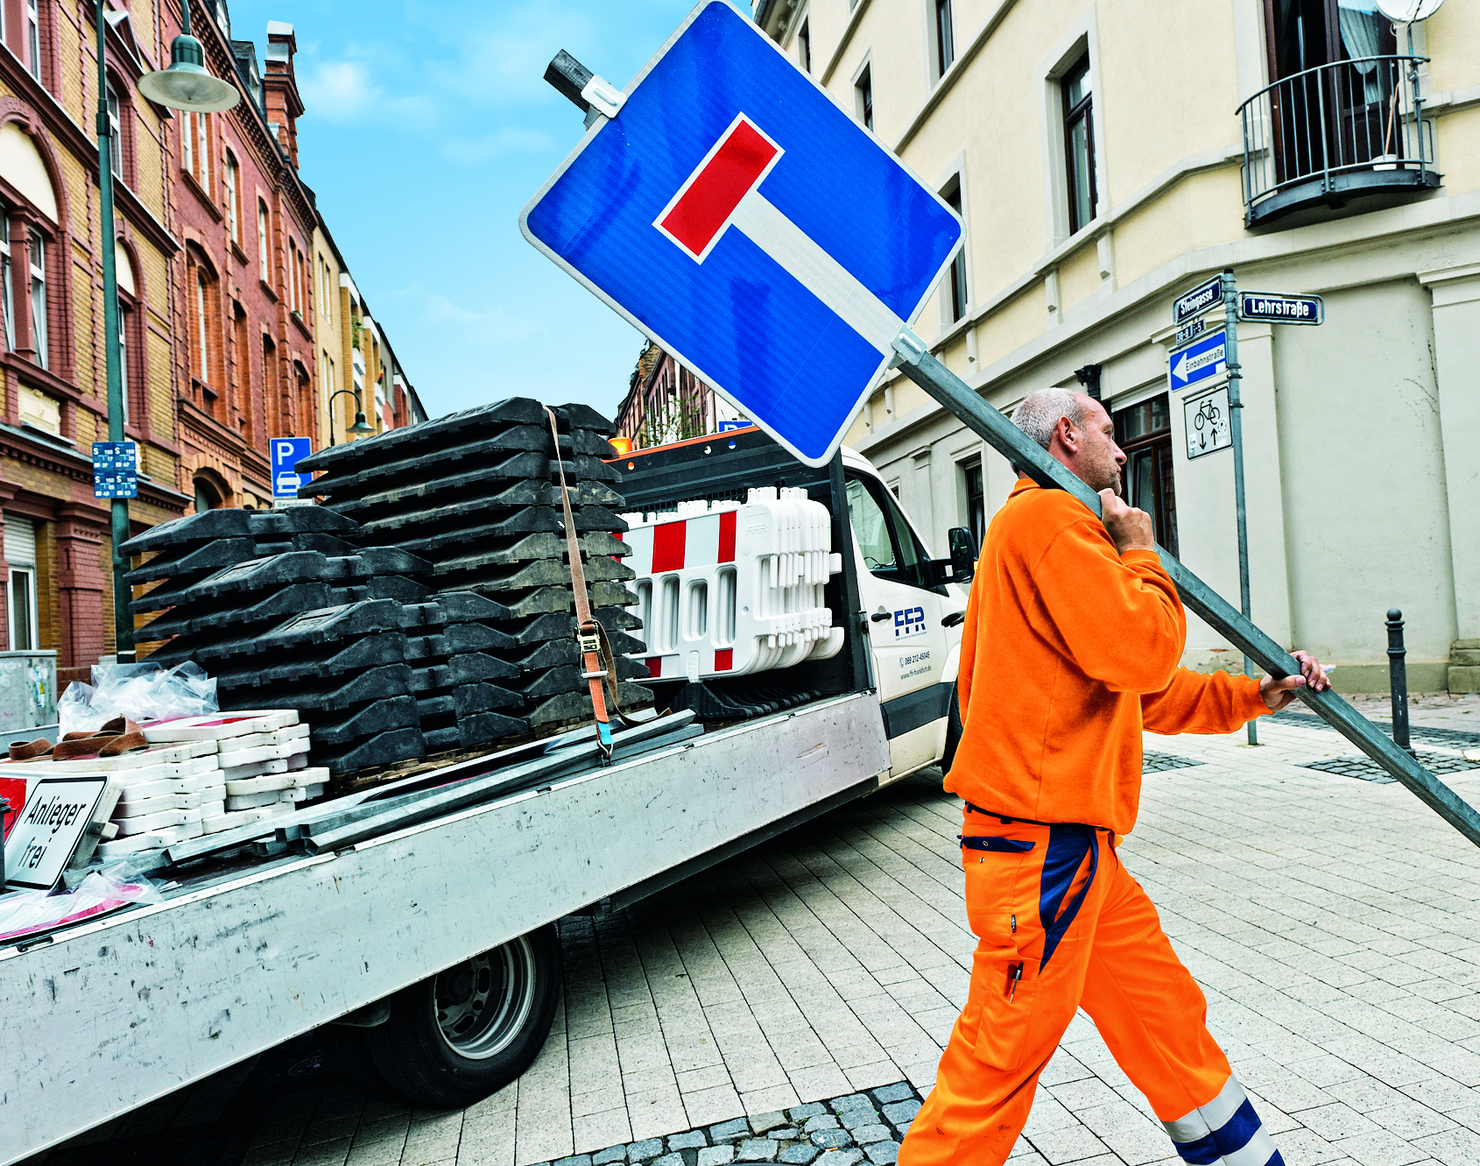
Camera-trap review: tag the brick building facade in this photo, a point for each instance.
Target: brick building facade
(55, 554)
(215, 243)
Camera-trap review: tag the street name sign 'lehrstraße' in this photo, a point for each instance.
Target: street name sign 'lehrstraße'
(733, 211)
(1198, 300)
(1278, 308)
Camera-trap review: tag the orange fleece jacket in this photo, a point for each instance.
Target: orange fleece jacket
(1069, 650)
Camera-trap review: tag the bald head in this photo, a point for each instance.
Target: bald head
(1038, 413)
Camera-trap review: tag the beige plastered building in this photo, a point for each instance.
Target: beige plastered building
(1106, 157)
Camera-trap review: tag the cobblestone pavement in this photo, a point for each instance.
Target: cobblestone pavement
(1333, 923)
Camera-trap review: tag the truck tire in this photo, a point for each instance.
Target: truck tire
(460, 1035)
(953, 733)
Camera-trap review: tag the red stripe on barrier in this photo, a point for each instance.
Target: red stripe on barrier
(727, 536)
(668, 546)
(724, 659)
(655, 665)
(716, 190)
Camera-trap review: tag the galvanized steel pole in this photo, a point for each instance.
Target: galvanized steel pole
(916, 362)
(1236, 432)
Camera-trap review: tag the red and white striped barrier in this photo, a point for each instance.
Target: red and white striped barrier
(730, 588)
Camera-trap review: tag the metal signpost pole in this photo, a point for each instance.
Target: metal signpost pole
(1236, 431)
(123, 620)
(916, 362)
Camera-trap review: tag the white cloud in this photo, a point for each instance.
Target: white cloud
(479, 328)
(339, 91)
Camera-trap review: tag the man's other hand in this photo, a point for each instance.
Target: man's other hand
(1279, 692)
(1130, 528)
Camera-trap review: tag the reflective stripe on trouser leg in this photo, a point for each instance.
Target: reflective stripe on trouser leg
(1226, 1130)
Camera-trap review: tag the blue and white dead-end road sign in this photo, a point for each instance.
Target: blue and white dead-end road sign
(287, 452)
(735, 213)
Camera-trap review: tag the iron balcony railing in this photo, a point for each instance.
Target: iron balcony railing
(1348, 127)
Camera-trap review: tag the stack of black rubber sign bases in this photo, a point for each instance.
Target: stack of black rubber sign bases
(476, 494)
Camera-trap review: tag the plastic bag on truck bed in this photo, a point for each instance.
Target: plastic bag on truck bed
(141, 692)
(27, 912)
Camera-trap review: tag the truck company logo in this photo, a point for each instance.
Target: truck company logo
(909, 621)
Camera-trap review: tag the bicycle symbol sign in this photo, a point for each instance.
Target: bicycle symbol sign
(1207, 422)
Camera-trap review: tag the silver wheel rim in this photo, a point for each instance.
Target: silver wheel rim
(483, 1004)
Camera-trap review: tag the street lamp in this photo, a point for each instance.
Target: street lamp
(185, 85)
(360, 425)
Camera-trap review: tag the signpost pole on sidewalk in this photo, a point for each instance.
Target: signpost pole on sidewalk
(1236, 431)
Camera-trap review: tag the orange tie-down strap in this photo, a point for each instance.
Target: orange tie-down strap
(600, 667)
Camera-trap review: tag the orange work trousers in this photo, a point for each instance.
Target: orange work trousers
(1063, 926)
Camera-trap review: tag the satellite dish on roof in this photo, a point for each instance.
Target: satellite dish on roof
(1407, 11)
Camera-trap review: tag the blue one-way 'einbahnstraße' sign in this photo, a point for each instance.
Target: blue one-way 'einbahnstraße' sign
(1277, 308)
(1198, 300)
(287, 452)
(734, 212)
(1202, 360)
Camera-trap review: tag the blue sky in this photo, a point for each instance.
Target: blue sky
(428, 128)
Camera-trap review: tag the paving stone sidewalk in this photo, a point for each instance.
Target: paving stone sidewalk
(1334, 924)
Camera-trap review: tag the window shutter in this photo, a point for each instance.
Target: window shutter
(20, 541)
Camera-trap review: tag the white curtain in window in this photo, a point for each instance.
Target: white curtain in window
(1360, 26)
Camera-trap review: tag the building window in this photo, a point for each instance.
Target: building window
(1144, 432)
(195, 148)
(804, 45)
(125, 318)
(207, 497)
(293, 276)
(233, 204)
(5, 277)
(863, 96)
(1079, 144)
(115, 134)
(38, 298)
(958, 265)
(300, 282)
(945, 39)
(976, 501)
(20, 598)
(262, 242)
(202, 329)
(33, 38)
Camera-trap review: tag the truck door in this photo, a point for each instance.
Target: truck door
(905, 611)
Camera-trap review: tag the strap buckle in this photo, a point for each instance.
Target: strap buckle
(588, 643)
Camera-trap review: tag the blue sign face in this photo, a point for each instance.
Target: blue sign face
(286, 453)
(115, 469)
(1203, 360)
(737, 215)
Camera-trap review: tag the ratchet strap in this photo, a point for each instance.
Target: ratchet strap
(599, 668)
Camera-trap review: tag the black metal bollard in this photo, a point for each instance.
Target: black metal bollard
(1398, 677)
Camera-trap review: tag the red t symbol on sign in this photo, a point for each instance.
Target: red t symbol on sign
(706, 203)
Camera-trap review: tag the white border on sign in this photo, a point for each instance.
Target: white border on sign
(600, 123)
(714, 239)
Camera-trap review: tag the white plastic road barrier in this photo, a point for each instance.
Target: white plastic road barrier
(729, 589)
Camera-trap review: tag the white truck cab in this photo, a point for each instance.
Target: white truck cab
(914, 618)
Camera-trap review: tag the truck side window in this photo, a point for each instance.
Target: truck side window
(890, 549)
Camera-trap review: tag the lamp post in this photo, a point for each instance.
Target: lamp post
(360, 425)
(185, 85)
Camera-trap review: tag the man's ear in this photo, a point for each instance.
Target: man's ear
(1067, 437)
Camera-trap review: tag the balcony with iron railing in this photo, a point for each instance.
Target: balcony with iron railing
(1348, 135)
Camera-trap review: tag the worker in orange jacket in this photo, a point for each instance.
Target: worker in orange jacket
(1073, 639)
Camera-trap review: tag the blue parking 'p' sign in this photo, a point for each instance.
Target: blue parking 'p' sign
(287, 452)
(736, 214)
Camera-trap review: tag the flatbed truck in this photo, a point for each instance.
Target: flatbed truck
(427, 952)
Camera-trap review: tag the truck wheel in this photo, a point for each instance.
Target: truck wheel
(460, 1035)
(953, 734)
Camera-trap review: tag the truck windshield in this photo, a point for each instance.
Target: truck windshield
(890, 548)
